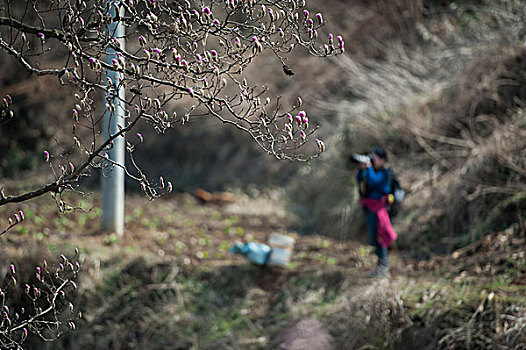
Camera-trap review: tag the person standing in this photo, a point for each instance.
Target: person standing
(374, 180)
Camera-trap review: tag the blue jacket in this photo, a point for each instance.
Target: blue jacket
(377, 182)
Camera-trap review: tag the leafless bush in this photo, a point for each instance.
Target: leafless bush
(487, 328)
(369, 314)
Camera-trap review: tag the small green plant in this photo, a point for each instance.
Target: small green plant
(332, 261)
(112, 239)
(365, 251)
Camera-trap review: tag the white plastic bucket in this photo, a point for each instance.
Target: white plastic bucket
(281, 249)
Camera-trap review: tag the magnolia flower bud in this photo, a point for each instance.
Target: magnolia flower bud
(147, 53)
(298, 120)
(320, 18)
(321, 145)
(46, 156)
(214, 54)
(139, 136)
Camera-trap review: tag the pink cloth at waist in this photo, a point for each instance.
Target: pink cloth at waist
(384, 230)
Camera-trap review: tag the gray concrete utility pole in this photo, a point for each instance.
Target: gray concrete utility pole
(113, 180)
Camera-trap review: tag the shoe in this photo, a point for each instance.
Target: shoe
(381, 271)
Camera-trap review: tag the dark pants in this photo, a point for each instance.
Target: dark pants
(381, 252)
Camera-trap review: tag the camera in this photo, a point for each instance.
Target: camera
(361, 158)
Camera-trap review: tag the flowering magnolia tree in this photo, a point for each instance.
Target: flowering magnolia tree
(190, 53)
